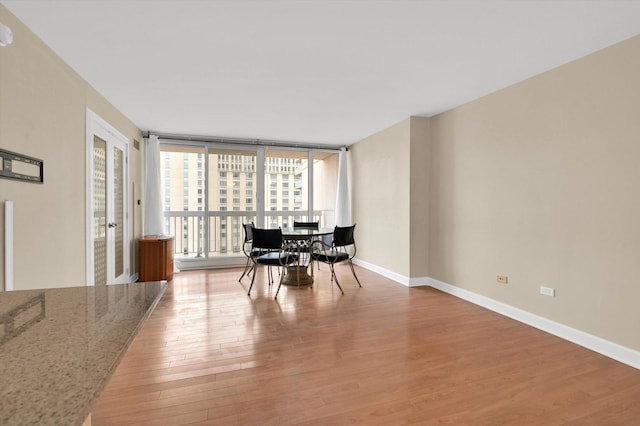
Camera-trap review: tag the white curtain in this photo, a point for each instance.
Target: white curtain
(153, 220)
(343, 194)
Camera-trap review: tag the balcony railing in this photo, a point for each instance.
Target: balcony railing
(201, 234)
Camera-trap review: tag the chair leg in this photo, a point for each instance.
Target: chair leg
(247, 269)
(354, 273)
(279, 285)
(334, 277)
(253, 278)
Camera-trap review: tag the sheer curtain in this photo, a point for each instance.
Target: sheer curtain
(153, 220)
(343, 193)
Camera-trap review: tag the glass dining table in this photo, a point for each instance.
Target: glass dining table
(299, 240)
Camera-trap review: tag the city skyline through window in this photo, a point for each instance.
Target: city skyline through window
(210, 191)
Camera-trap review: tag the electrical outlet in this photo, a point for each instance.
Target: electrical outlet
(547, 291)
(502, 279)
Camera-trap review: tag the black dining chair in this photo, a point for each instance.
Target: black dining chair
(304, 245)
(342, 249)
(272, 252)
(305, 225)
(247, 249)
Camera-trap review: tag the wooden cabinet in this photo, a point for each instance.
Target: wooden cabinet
(156, 257)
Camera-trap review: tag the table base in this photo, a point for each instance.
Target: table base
(297, 276)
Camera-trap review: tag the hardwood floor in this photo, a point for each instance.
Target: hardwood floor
(382, 354)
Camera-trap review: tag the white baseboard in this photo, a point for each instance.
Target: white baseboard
(607, 348)
(401, 279)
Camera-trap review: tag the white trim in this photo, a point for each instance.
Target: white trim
(419, 281)
(8, 246)
(89, 278)
(597, 344)
(605, 347)
(400, 279)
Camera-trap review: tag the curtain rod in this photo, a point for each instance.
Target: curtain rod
(243, 141)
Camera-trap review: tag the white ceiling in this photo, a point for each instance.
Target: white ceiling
(313, 71)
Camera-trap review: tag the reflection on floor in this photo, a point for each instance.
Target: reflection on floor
(382, 354)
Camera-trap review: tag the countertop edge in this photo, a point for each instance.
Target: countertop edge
(123, 350)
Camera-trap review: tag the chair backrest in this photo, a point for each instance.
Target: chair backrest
(270, 239)
(248, 233)
(343, 236)
(305, 225)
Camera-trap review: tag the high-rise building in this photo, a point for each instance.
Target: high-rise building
(205, 211)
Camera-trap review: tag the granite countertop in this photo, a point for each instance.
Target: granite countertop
(58, 348)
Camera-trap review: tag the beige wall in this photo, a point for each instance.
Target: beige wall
(390, 196)
(539, 182)
(42, 114)
(420, 170)
(390, 176)
(380, 201)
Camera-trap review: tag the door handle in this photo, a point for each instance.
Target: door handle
(112, 225)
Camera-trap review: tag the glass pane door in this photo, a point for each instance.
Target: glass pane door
(99, 210)
(117, 225)
(108, 243)
(108, 212)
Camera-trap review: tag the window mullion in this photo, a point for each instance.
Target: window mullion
(207, 222)
(260, 176)
(310, 217)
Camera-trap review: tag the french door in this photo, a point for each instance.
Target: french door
(107, 212)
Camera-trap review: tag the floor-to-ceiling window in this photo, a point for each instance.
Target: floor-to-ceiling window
(210, 190)
(184, 191)
(231, 194)
(286, 190)
(325, 184)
